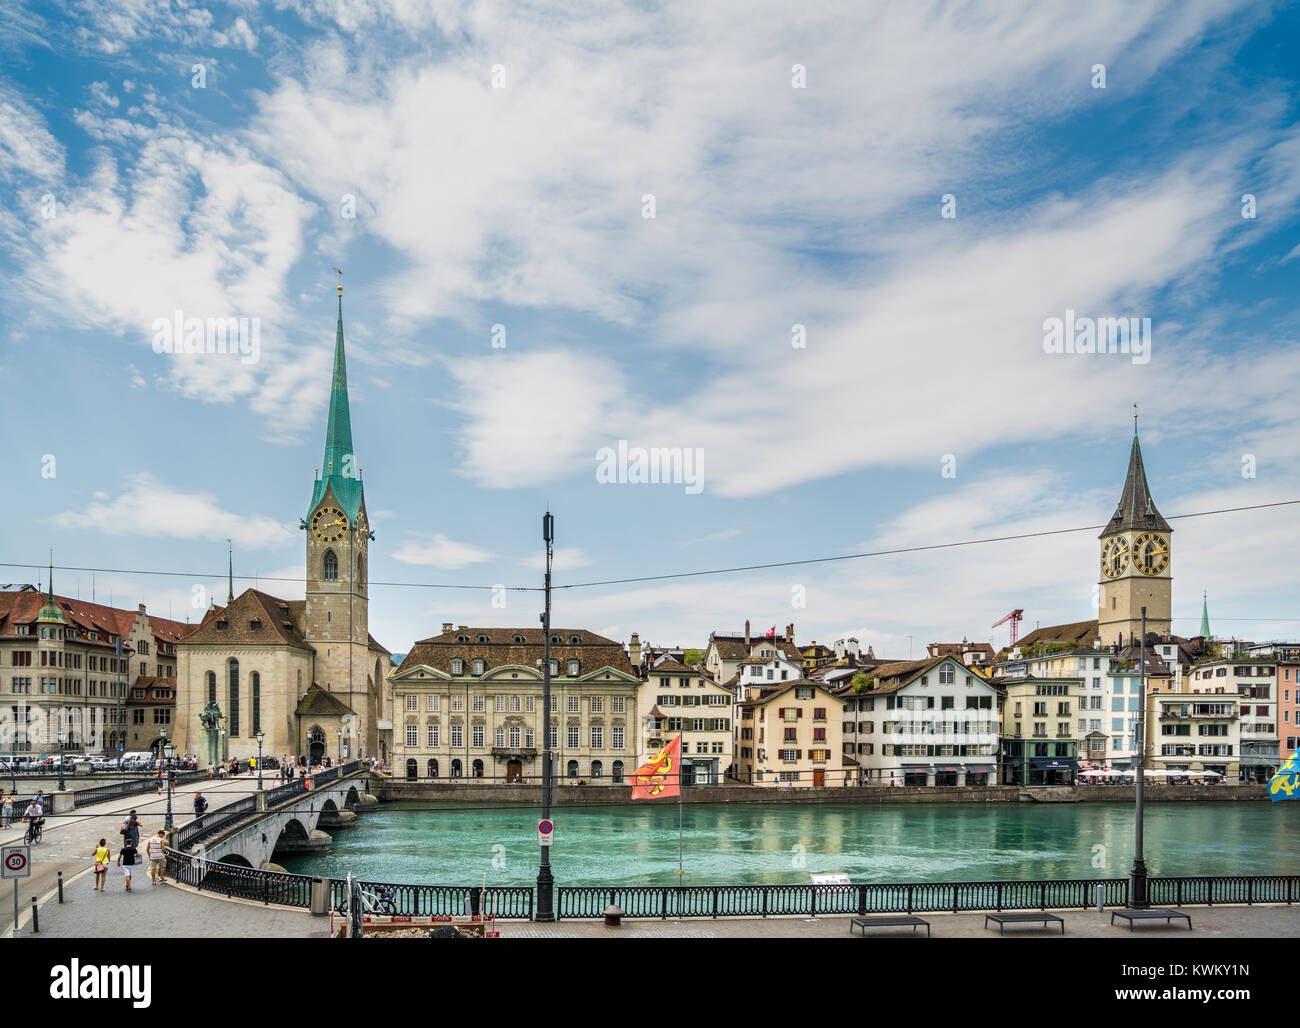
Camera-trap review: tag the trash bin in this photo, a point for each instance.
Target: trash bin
(320, 896)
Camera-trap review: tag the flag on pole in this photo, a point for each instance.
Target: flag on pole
(661, 775)
(1282, 786)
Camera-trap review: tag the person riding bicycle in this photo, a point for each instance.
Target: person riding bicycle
(34, 815)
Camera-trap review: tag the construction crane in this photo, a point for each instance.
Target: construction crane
(1014, 617)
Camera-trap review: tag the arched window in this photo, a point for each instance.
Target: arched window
(412, 769)
(255, 680)
(233, 712)
(212, 687)
(361, 571)
(618, 772)
(573, 669)
(457, 666)
(478, 769)
(483, 639)
(518, 639)
(573, 769)
(330, 567)
(479, 666)
(433, 769)
(596, 768)
(575, 639)
(456, 768)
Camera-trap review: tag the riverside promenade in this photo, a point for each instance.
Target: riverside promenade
(70, 837)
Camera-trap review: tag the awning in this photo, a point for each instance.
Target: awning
(982, 769)
(1055, 763)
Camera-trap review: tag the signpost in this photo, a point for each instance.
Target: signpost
(15, 863)
(545, 832)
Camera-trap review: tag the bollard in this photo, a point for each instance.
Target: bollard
(60, 886)
(36, 920)
(1101, 899)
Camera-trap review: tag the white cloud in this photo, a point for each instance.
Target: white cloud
(564, 558)
(440, 552)
(150, 508)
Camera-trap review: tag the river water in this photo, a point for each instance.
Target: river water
(744, 843)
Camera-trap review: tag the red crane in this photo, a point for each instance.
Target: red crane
(1014, 617)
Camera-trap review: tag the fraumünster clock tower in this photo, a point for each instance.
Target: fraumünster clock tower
(1136, 569)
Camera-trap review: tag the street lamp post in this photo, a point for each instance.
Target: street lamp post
(340, 734)
(169, 754)
(260, 736)
(1138, 898)
(62, 786)
(545, 880)
(221, 743)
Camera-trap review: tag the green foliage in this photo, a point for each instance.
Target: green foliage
(693, 656)
(862, 682)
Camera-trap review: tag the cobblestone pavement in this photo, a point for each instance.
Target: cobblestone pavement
(1207, 923)
(70, 838)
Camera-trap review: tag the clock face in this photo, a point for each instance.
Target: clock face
(328, 524)
(1151, 553)
(363, 529)
(1114, 557)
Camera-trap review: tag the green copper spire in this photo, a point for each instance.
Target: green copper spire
(50, 613)
(230, 573)
(339, 469)
(1205, 618)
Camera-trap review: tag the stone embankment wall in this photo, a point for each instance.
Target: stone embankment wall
(397, 790)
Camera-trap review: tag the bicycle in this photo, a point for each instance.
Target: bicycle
(381, 903)
(34, 832)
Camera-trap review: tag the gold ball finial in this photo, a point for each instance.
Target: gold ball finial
(340, 271)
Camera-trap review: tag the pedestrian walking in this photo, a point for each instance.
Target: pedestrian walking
(7, 811)
(252, 765)
(130, 830)
(156, 849)
(160, 782)
(101, 854)
(126, 859)
(210, 770)
(200, 805)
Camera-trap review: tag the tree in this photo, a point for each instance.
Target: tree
(693, 657)
(862, 682)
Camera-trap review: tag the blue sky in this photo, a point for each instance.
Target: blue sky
(498, 155)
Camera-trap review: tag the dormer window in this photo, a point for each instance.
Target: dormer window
(576, 640)
(517, 639)
(255, 623)
(462, 638)
(573, 669)
(221, 624)
(457, 666)
(556, 640)
(479, 666)
(483, 639)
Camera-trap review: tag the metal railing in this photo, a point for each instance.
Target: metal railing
(1209, 889)
(278, 887)
(215, 821)
(811, 900)
(513, 901)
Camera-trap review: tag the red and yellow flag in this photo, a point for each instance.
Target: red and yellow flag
(661, 775)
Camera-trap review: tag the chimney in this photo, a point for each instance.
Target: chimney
(789, 632)
(746, 631)
(634, 650)
(447, 626)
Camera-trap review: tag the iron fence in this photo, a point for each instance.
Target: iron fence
(284, 792)
(1207, 889)
(678, 902)
(100, 793)
(514, 902)
(215, 821)
(277, 887)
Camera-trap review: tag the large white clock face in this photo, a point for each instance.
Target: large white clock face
(329, 524)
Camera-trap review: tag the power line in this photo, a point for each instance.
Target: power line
(680, 574)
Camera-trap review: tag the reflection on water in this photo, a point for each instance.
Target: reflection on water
(735, 844)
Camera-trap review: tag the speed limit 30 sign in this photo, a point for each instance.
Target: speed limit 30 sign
(16, 862)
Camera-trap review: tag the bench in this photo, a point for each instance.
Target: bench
(1005, 919)
(1144, 915)
(887, 922)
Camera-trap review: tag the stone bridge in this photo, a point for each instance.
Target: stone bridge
(294, 825)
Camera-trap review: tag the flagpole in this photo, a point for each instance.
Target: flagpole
(680, 871)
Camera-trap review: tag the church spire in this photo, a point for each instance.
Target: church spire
(339, 469)
(1205, 618)
(230, 574)
(1136, 509)
(50, 613)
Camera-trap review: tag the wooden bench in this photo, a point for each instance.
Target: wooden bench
(1145, 915)
(889, 922)
(1044, 919)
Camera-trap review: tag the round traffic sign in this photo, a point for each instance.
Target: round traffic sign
(15, 861)
(546, 827)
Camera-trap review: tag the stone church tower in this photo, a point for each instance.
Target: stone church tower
(338, 535)
(1136, 567)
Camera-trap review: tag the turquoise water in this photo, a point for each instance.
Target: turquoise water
(637, 845)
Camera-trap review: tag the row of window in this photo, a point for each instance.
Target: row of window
(512, 737)
(503, 703)
(432, 769)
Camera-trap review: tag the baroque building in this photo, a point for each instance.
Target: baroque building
(306, 673)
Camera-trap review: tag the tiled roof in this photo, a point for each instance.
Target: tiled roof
(254, 617)
(1079, 633)
(22, 607)
(767, 695)
(591, 650)
(1135, 510)
(322, 703)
